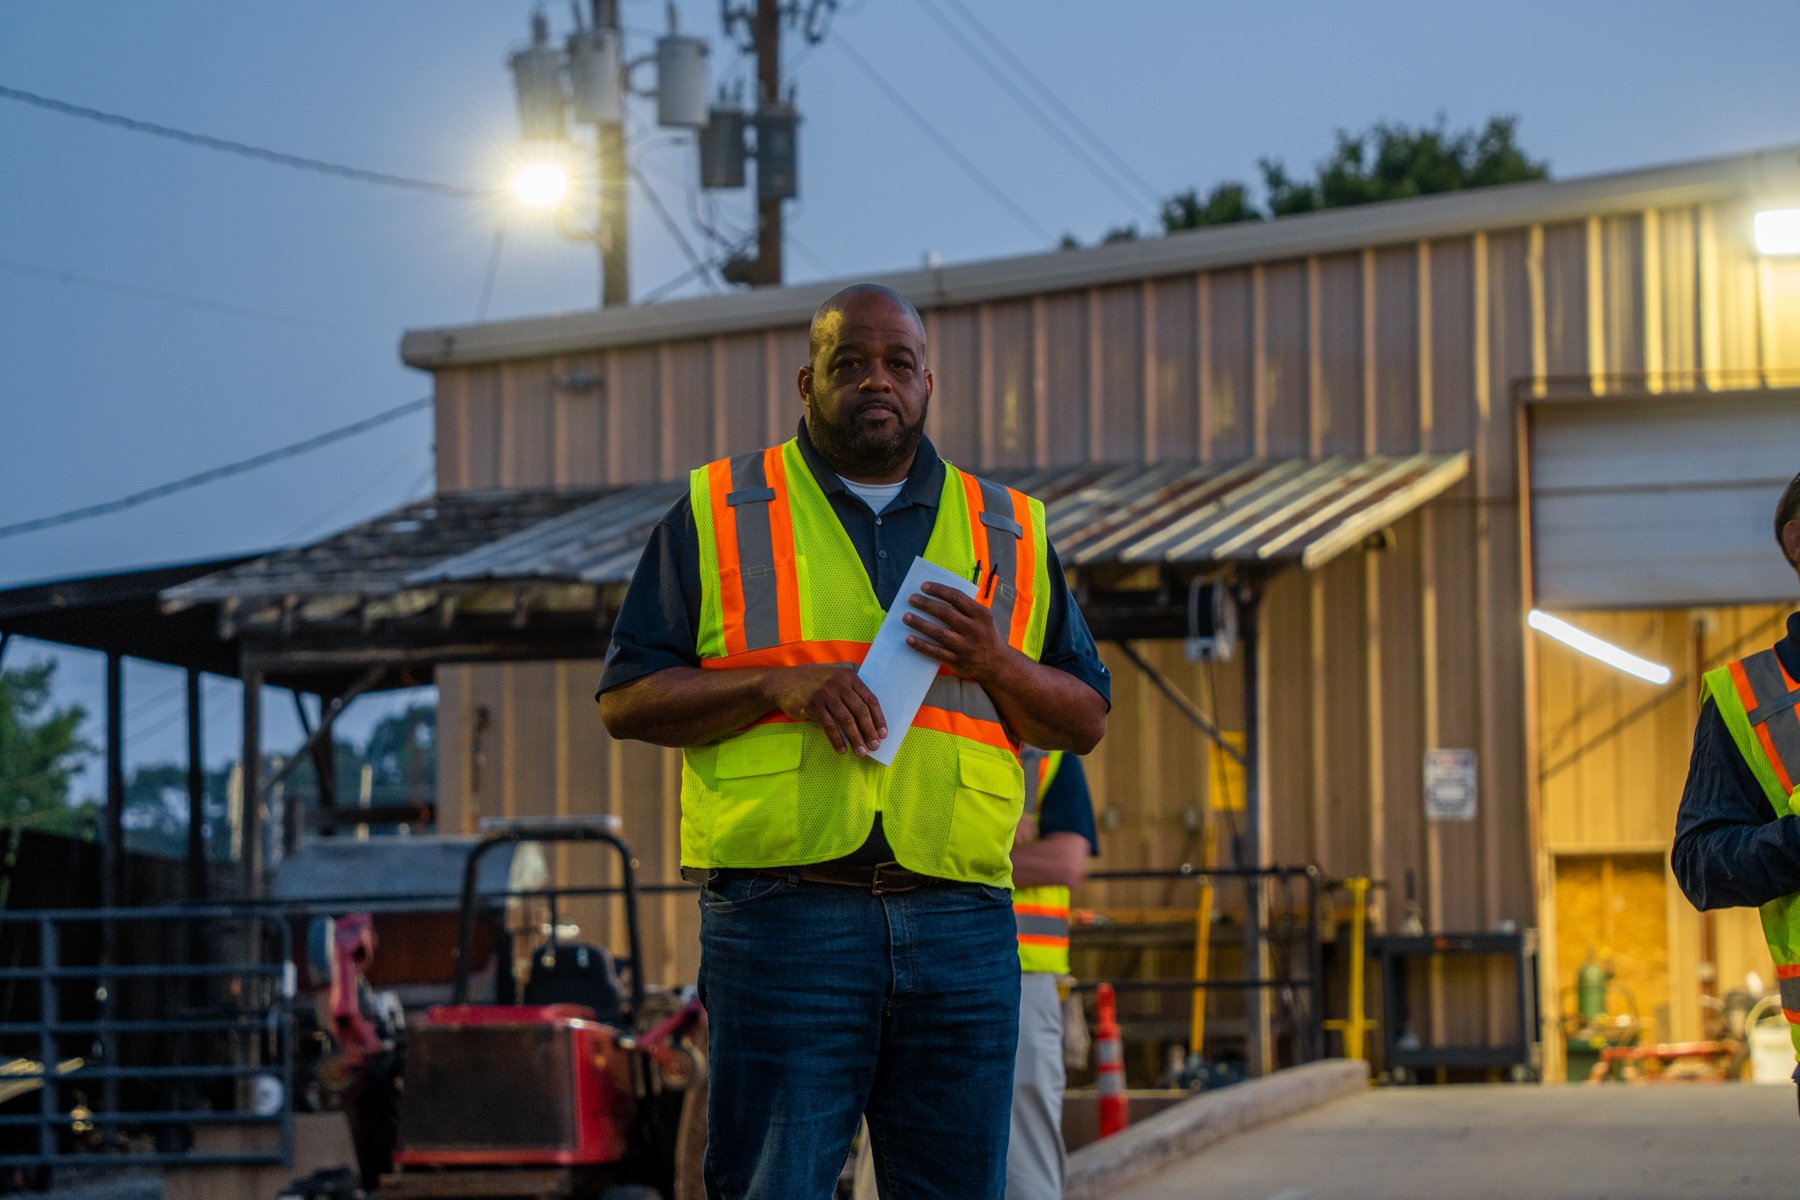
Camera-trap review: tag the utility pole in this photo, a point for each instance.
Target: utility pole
(615, 261)
(768, 88)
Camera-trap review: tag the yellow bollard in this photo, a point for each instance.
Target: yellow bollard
(1357, 1023)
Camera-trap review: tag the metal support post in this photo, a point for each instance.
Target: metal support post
(768, 86)
(615, 260)
(250, 769)
(196, 784)
(1259, 1052)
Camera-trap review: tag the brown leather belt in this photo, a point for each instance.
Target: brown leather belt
(879, 879)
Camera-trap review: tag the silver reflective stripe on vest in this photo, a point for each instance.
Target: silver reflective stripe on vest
(1003, 534)
(1033, 760)
(1774, 709)
(1790, 995)
(749, 500)
(1032, 925)
(961, 696)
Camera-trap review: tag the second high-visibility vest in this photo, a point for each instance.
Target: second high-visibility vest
(1042, 913)
(1760, 704)
(782, 585)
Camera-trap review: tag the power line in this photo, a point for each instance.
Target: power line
(1049, 94)
(57, 275)
(700, 265)
(243, 149)
(1036, 110)
(931, 131)
(216, 473)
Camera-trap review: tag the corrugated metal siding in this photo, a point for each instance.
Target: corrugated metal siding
(1396, 350)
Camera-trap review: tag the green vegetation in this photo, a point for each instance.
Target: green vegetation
(1387, 161)
(41, 749)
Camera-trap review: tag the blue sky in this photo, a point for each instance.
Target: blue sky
(280, 295)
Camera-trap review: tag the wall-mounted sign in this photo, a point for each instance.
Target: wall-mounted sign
(1450, 785)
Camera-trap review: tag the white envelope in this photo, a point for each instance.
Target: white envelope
(897, 674)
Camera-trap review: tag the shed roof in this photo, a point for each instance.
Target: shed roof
(1773, 174)
(565, 556)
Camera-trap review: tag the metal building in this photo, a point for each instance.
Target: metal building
(1579, 395)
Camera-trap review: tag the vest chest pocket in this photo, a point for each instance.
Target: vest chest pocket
(756, 822)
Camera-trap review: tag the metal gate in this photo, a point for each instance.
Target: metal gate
(147, 1036)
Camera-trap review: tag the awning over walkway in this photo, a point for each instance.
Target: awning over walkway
(535, 574)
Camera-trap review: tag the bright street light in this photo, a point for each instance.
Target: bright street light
(1594, 647)
(1778, 231)
(541, 185)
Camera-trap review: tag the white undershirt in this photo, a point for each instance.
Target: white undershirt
(876, 495)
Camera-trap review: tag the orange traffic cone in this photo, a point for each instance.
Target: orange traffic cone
(1109, 1064)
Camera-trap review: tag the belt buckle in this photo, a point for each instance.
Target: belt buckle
(875, 878)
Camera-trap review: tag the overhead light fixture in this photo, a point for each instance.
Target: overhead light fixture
(1594, 647)
(1778, 231)
(542, 185)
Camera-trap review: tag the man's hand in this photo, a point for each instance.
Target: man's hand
(833, 698)
(964, 637)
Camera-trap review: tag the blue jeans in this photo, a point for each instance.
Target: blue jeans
(827, 1003)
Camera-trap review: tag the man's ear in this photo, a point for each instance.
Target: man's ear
(804, 383)
(1790, 542)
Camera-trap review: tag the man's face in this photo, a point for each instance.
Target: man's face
(867, 389)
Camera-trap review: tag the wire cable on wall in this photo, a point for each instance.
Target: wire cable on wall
(216, 473)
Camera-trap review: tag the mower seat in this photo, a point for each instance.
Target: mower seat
(577, 973)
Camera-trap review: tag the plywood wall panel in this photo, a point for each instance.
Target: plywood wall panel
(634, 415)
(578, 421)
(1284, 360)
(955, 348)
(1230, 366)
(687, 380)
(1396, 401)
(1065, 352)
(1293, 649)
(1339, 352)
(450, 429)
(1450, 415)
(482, 452)
(1120, 402)
(1008, 386)
(1624, 316)
(1343, 770)
(1172, 382)
(1566, 286)
(527, 422)
(1674, 295)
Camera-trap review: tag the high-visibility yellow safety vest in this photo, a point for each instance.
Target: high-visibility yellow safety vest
(1042, 913)
(1760, 703)
(782, 585)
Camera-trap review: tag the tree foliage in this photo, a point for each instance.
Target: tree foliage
(1387, 161)
(41, 749)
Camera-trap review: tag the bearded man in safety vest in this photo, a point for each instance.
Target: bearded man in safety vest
(857, 939)
(1737, 841)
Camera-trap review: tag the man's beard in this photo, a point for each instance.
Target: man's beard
(865, 452)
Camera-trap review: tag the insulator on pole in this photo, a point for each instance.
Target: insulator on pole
(537, 78)
(777, 152)
(722, 149)
(681, 81)
(596, 78)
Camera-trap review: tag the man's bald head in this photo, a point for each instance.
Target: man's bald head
(828, 317)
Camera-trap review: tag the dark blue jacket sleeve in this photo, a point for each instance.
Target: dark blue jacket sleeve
(661, 610)
(1068, 645)
(1067, 806)
(1730, 849)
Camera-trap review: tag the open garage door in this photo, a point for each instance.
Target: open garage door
(1660, 501)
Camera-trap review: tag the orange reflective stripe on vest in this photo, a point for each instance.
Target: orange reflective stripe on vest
(759, 590)
(1787, 976)
(1769, 697)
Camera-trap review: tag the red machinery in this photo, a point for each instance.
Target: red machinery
(577, 1093)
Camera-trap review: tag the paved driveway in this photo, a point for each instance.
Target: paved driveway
(1509, 1142)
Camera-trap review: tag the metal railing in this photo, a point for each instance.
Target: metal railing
(139, 1032)
(1298, 990)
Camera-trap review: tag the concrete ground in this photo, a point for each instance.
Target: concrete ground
(1508, 1141)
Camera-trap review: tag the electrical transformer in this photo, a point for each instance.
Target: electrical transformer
(777, 153)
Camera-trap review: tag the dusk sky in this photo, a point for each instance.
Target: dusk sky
(166, 308)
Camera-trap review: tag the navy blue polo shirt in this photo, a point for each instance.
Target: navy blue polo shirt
(1730, 848)
(656, 625)
(1067, 806)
